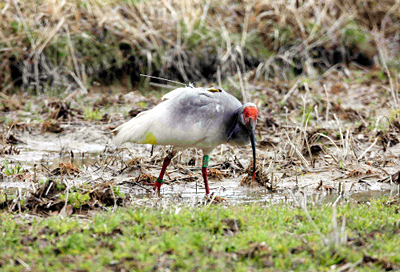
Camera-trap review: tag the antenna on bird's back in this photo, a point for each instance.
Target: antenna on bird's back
(167, 80)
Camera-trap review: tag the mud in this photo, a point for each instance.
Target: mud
(322, 140)
(89, 148)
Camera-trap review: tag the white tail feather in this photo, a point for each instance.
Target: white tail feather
(133, 130)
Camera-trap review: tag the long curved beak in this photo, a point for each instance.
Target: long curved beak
(252, 130)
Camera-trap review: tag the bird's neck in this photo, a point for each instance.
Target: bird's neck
(237, 133)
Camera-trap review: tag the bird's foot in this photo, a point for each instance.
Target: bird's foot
(156, 185)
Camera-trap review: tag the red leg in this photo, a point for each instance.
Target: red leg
(159, 181)
(205, 174)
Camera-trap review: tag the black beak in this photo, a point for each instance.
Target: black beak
(252, 130)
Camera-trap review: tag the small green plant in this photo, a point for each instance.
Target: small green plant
(381, 75)
(76, 199)
(60, 186)
(285, 35)
(227, 85)
(43, 181)
(2, 197)
(142, 104)
(91, 114)
(394, 63)
(4, 119)
(341, 165)
(10, 170)
(306, 80)
(16, 27)
(382, 127)
(117, 191)
(379, 124)
(308, 114)
(28, 106)
(354, 35)
(394, 115)
(282, 103)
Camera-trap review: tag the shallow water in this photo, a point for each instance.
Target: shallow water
(84, 146)
(233, 193)
(228, 189)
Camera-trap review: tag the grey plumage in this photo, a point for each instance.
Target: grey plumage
(193, 117)
(189, 117)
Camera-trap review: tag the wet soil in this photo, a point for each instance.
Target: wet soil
(326, 148)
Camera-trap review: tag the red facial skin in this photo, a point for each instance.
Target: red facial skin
(250, 113)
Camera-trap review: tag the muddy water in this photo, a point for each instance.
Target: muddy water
(228, 189)
(233, 193)
(231, 190)
(84, 145)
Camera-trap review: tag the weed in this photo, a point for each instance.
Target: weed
(43, 181)
(353, 35)
(28, 106)
(142, 104)
(308, 114)
(10, 170)
(394, 114)
(341, 165)
(117, 191)
(394, 63)
(5, 119)
(282, 103)
(381, 75)
(76, 199)
(92, 114)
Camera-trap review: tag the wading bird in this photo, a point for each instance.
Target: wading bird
(190, 117)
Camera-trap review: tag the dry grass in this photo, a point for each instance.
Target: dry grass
(53, 44)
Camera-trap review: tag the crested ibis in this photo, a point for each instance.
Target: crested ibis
(192, 117)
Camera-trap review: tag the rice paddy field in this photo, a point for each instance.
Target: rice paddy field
(323, 74)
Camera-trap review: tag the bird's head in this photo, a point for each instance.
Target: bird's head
(250, 114)
(248, 118)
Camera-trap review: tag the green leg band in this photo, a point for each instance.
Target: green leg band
(160, 181)
(205, 160)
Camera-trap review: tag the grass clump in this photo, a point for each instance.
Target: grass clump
(237, 238)
(10, 170)
(92, 114)
(76, 199)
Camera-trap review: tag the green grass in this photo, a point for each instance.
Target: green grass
(10, 170)
(278, 237)
(92, 114)
(76, 199)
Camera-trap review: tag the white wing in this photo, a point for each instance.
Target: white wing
(187, 117)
